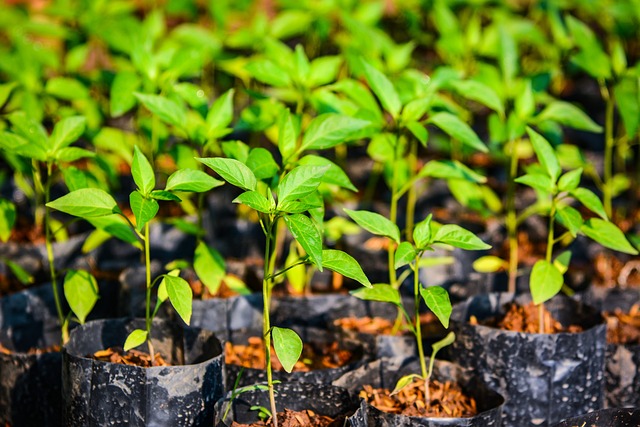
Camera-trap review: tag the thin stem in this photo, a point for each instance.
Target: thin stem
(548, 256)
(608, 150)
(149, 285)
(50, 254)
(511, 220)
(269, 267)
(418, 329)
(284, 270)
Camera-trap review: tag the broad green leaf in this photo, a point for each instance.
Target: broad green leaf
(545, 282)
(570, 180)
(405, 253)
(489, 264)
(5, 91)
(261, 162)
(235, 150)
(437, 299)
(300, 182)
(221, 113)
(545, 154)
(591, 56)
(116, 226)
(459, 237)
(30, 129)
(143, 174)
(627, 96)
(324, 70)
(567, 114)
(561, 262)
(180, 295)
(334, 175)
(81, 292)
(71, 154)
(164, 195)
(12, 143)
(422, 232)
(231, 170)
(67, 131)
(209, 265)
(404, 382)
(450, 169)
(288, 346)
(419, 131)
(143, 209)
(191, 180)
(121, 96)
(459, 130)
(379, 292)
(86, 203)
(608, 235)
(479, 92)
(375, 223)
(344, 264)
(167, 110)
(7, 219)
(590, 201)
(383, 88)
(192, 94)
(287, 135)
(94, 240)
(536, 180)
(135, 339)
(268, 72)
(307, 234)
(256, 201)
(329, 130)
(570, 218)
(507, 56)
(66, 88)
(162, 294)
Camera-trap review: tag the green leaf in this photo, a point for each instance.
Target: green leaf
(221, 114)
(287, 135)
(5, 91)
(375, 223)
(307, 234)
(383, 88)
(300, 182)
(567, 114)
(261, 162)
(437, 299)
(450, 169)
(608, 235)
(163, 295)
(81, 292)
(459, 237)
(167, 110)
(404, 382)
(545, 154)
(66, 88)
(288, 346)
(419, 131)
(116, 226)
(570, 180)
(536, 180)
(21, 274)
(379, 292)
(627, 96)
(71, 154)
(405, 253)
(545, 282)
(590, 201)
(164, 195)
(329, 130)
(570, 218)
(489, 264)
(234, 172)
(191, 180)
(344, 264)
(479, 92)
(67, 131)
(448, 340)
(7, 219)
(256, 201)
(334, 175)
(121, 96)
(296, 272)
(268, 72)
(180, 295)
(562, 261)
(86, 203)
(142, 172)
(422, 232)
(143, 209)
(135, 339)
(12, 143)
(507, 55)
(459, 130)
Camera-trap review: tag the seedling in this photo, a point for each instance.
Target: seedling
(425, 236)
(99, 206)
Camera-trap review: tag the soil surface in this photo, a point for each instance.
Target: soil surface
(381, 326)
(131, 357)
(446, 400)
(33, 351)
(252, 355)
(304, 418)
(526, 319)
(624, 328)
(611, 272)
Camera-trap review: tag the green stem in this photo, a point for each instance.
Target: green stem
(267, 284)
(149, 286)
(412, 195)
(608, 151)
(418, 329)
(548, 256)
(511, 219)
(50, 255)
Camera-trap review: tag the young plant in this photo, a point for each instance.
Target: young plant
(555, 189)
(295, 195)
(95, 205)
(425, 236)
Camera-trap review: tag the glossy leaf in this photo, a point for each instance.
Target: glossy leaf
(405, 253)
(261, 163)
(459, 237)
(545, 282)
(383, 88)
(12, 143)
(180, 295)
(590, 201)
(343, 263)
(570, 180)
(85, 203)
(570, 218)
(334, 175)
(608, 235)
(481, 93)
(545, 154)
(136, 338)
(143, 209)
(287, 135)
(561, 262)
(422, 232)
(66, 88)
(381, 292)
(167, 110)
(300, 182)
(164, 195)
(403, 383)
(142, 172)
(71, 154)
(450, 169)
(627, 96)
(256, 201)
(191, 180)
(231, 170)
(66, 132)
(209, 265)
(288, 346)
(375, 223)
(457, 129)
(305, 232)
(221, 113)
(121, 96)
(329, 130)
(437, 299)
(81, 292)
(569, 115)
(536, 180)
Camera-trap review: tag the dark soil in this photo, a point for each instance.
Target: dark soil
(305, 418)
(131, 357)
(252, 355)
(526, 319)
(446, 400)
(382, 326)
(33, 351)
(624, 328)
